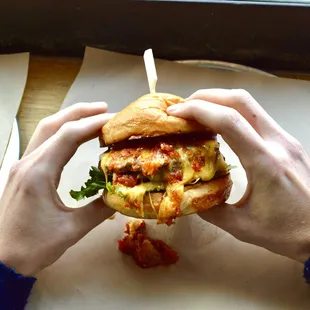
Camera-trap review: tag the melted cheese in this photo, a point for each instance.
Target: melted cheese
(170, 204)
(135, 195)
(207, 172)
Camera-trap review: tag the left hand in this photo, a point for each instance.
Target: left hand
(36, 228)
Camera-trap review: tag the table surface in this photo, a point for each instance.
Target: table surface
(49, 80)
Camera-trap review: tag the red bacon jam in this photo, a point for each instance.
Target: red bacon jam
(145, 251)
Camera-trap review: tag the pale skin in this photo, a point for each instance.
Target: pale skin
(36, 228)
(274, 212)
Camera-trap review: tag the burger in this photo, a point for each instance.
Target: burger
(158, 166)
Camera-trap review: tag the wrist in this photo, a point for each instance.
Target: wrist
(21, 264)
(302, 251)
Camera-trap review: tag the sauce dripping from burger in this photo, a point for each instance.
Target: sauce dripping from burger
(146, 252)
(198, 162)
(129, 180)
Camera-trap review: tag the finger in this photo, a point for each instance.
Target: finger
(246, 105)
(87, 218)
(233, 127)
(50, 125)
(58, 150)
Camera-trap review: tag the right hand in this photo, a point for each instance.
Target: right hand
(36, 228)
(274, 212)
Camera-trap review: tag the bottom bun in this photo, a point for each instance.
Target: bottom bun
(198, 197)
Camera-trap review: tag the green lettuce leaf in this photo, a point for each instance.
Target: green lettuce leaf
(92, 186)
(230, 167)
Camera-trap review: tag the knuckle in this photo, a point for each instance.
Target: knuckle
(231, 120)
(241, 97)
(38, 172)
(277, 155)
(241, 94)
(295, 148)
(33, 178)
(30, 183)
(46, 124)
(195, 106)
(276, 168)
(199, 93)
(288, 151)
(26, 176)
(16, 169)
(70, 132)
(68, 129)
(79, 107)
(276, 164)
(198, 111)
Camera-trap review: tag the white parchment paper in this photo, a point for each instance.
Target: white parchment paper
(13, 76)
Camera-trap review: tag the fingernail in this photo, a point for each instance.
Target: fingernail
(173, 108)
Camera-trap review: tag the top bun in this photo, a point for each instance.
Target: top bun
(147, 117)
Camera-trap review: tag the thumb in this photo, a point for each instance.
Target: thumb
(227, 217)
(88, 217)
(187, 110)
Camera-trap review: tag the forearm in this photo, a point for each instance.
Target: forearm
(14, 289)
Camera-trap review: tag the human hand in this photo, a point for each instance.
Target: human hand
(36, 228)
(274, 212)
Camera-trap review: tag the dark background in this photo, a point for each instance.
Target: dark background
(270, 37)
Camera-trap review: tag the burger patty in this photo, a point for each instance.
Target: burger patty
(164, 166)
(165, 162)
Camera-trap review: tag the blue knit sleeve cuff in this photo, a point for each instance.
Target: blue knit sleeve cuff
(307, 271)
(14, 289)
